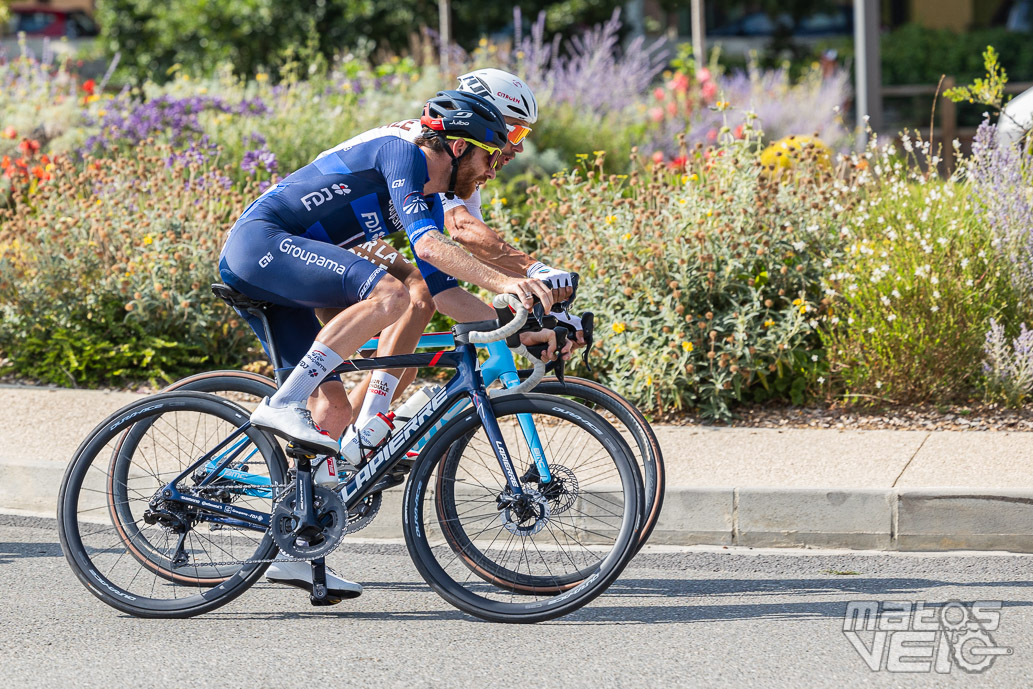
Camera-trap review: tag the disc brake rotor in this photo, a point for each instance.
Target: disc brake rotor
(529, 517)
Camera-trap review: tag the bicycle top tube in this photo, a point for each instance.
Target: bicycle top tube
(499, 365)
(442, 339)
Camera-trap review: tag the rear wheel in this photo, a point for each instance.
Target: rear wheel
(635, 430)
(155, 558)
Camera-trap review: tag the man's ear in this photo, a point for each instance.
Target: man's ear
(458, 146)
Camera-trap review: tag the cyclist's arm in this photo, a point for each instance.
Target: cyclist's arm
(447, 256)
(484, 243)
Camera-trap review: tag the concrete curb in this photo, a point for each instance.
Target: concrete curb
(865, 519)
(868, 519)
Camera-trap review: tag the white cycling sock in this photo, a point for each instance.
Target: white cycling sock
(316, 365)
(378, 397)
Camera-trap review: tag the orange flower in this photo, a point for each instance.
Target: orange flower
(40, 173)
(5, 162)
(29, 146)
(89, 86)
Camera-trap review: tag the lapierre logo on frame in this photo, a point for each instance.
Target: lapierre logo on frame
(919, 637)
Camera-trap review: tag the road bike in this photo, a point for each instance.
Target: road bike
(188, 515)
(249, 387)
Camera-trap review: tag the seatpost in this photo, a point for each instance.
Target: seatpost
(270, 342)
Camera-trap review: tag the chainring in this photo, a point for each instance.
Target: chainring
(331, 515)
(363, 514)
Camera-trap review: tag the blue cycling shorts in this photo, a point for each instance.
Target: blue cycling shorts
(296, 274)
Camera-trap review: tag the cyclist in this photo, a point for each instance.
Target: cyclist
(466, 225)
(289, 248)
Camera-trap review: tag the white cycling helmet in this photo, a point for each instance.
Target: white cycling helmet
(1016, 119)
(506, 92)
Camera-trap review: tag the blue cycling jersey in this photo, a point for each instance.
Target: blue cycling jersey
(290, 245)
(354, 195)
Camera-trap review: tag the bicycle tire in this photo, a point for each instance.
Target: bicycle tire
(636, 430)
(608, 513)
(252, 385)
(96, 550)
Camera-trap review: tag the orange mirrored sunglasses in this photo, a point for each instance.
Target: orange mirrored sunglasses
(517, 133)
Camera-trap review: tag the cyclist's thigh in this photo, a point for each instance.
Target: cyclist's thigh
(264, 261)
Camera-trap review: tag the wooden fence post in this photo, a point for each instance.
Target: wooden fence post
(948, 126)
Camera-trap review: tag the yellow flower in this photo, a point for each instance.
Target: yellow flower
(483, 42)
(503, 201)
(102, 113)
(610, 219)
(687, 346)
(797, 302)
(803, 308)
(682, 202)
(262, 76)
(581, 156)
(619, 327)
(148, 240)
(627, 236)
(710, 213)
(598, 153)
(203, 90)
(768, 323)
(649, 380)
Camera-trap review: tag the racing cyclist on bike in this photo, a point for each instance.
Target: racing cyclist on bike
(465, 222)
(290, 248)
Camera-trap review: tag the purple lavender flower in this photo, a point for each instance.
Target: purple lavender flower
(999, 179)
(259, 158)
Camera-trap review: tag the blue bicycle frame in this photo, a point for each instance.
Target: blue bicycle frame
(499, 366)
(468, 383)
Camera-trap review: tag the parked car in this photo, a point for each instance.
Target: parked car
(44, 21)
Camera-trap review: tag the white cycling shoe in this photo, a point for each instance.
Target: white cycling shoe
(299, 574)
(295, 423)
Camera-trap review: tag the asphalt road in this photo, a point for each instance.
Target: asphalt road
(685, 617)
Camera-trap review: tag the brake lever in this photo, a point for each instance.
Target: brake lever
(587, 329)
(561, 342)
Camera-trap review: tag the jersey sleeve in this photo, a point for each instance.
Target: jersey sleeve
(404, 168)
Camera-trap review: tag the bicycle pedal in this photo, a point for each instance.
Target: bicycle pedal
(323, 601)
(299, 452)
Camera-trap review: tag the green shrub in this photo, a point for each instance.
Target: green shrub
(916, 288)
(914, 54)
(705, 282)
(105, 277)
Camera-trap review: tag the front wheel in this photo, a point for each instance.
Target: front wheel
(471, 539)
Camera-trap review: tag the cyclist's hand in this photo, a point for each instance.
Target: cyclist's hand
(526, 289)
(573, 324)
(543, 337)
(561, 281)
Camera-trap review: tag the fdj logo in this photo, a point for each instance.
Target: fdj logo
(901, 636)
(318, 198)
(372, 223)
